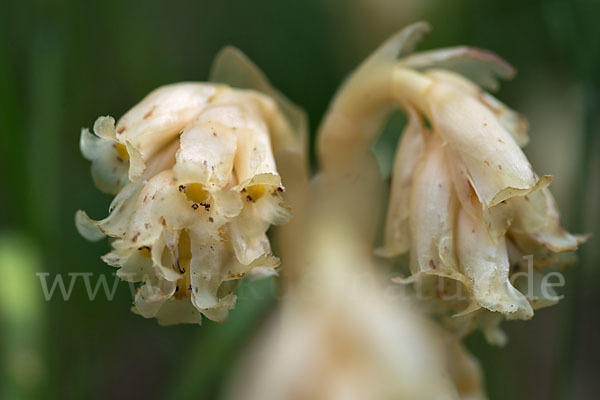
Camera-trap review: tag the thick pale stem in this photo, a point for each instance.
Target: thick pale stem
(360, 109)
(409, 86)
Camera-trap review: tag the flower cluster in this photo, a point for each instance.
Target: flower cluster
(465, 202)
(193, 166)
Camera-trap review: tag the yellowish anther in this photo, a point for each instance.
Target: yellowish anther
(184, 256)
(195, 193)
(122, 151)
(254, 192)
(145, 251)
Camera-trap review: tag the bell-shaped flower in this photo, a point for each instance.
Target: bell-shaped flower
(193, 228)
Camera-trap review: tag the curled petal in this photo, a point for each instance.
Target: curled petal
(104, 127)
(87, 227)
(109, 167)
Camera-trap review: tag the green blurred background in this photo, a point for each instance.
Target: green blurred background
(65, 62)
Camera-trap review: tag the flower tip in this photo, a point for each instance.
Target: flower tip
(87, 227)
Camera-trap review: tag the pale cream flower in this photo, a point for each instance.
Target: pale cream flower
(203, 190)
(462, 189)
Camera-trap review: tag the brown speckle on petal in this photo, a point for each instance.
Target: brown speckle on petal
(149, 113)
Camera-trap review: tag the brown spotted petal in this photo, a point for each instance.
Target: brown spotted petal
(513, 122)
(498, 170)
(158, 119)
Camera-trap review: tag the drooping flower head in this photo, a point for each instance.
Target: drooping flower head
(465, 202)
(194, 165)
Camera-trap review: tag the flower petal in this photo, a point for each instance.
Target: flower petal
(135, 265)
(513, 122)
(109, 170)
(232, 67)
(498, 169)
(409, 152)
(248, 237)
(120, 211)
(206, 155)
(152, 296)
(486, 263)
(159, 118)
(433, 207)
(538, 216)
(481, 66)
